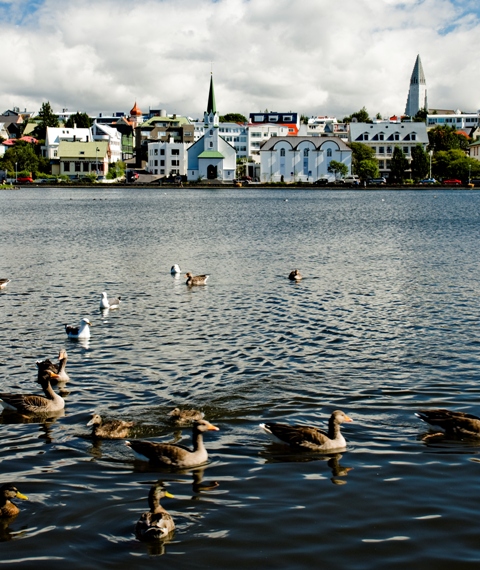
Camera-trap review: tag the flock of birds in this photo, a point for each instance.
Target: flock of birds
(157, 523)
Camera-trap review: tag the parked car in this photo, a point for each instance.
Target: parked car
(352, 180)
(374, 181)
(25, 180)
(321, 182)
(428, 181)
(452, 182)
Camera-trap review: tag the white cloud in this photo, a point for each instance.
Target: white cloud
(310, 56)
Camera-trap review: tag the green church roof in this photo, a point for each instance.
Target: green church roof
(210, 154)
(211, 106)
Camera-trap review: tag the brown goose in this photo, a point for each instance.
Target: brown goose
(33, 404)
(295, 275)
(4, 283)
(58, 369)
(174, 455)
(111, 429)
(306, 437)
(185, 417)
(454, 424)
(157, 523)
(8, 492)
(196, 279)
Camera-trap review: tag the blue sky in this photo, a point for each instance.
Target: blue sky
(316, 57)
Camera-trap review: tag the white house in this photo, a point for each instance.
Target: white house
(301, 159)
(167, 158)
(112, 136)
(259, 133)
(55, 135)
(211, 157)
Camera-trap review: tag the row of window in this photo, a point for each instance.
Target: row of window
(306, 152)
(173, 151)
(87, 166)
(389, 150)
(381, 137)
(162, 162)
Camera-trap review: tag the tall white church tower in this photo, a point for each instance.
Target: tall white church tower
(417, 94)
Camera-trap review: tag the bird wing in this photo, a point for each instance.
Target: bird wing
(457, 423)
(25, 402)
(297, 435)
(160, 452)
(70, 329)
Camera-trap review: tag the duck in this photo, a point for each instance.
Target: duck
(308, 437)
(4, 283)
(175, 455)
(156, 523)
(106, 303)
(185, 417)
(111, 429)
(196, 279)
(8, 492)
(295, 275)
(82, 331)
(175, 269)
(58, 369)
(453, 424)
(32, 403)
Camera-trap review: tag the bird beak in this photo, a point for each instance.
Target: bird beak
(169, 495)
(20, 496)
(347, 419)
(90, 423)
(52, 374)
(211, 427)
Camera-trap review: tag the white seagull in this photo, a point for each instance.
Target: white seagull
(106, 303)
(82, 331)
(175, 269)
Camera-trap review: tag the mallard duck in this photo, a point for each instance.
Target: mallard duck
(454, 424)
(106, 303)
(312, 438)
(295, 275)
(185, 417)
(32, 403)
(8, 492)
(175, 269)
(156, 523)
(174, 455)
(4, 283)
(58, 369)
(82, 331)
(196, 279)
(111, 429)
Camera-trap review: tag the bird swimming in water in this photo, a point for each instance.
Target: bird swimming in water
(110, 429)
(310, 438)
(196, 279)
(185, 417)
(175, 269)
(112, 303)
(32, 403)
(157, 523)
(4, 283)
(57, 368)
(452, 424)
(7, 493)
(82, 331)
(295, 275)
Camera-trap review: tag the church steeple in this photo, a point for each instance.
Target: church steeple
(210, 116)
(417, 94)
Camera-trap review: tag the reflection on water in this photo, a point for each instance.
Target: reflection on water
(384, 322)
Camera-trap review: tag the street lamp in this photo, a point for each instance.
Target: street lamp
(96, 160)
(16, 176)
(430, 153)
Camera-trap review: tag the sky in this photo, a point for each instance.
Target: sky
(313, 57)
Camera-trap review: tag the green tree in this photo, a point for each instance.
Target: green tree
(367, 168)
(421, 116)
(20, 157)
(304, 119)
(337, 168)
(398, 165)
(233, 118)
(446, 137)
(81, 120)
(362, 116)
(360, 152)
(420, 162)
(46, 118)
(455, 164)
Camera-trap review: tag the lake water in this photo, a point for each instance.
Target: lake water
(386, 321)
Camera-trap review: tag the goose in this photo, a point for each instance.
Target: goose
(33, 404)
(4, 283)
(111, 429)
(175, 269)
(312, 438)
(156, 523)
(82, 331)
(8, 492)
(196, 279)
(58, 369)
(295, 275)
(106, 303)
(454, 424)
(185, 417)
(174, 455)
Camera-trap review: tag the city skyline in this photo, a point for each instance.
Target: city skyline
(307, 56)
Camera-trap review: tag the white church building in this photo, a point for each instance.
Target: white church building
(211, 157)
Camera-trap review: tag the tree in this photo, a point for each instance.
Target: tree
(46, 118)
(455, 164)
(367, 168)
(233, 118)
(21, 157)
(421, 116)
(361, 116)
(360, 152)
(446, 137)
(337, 168)
(398, 165)
(80, 120)
(420, 162)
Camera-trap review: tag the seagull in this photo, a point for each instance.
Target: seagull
(310, 438)
(295, 275)
(106, 303)
(82, 331)
(196, 279)
(4, 283)
(175, 270)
